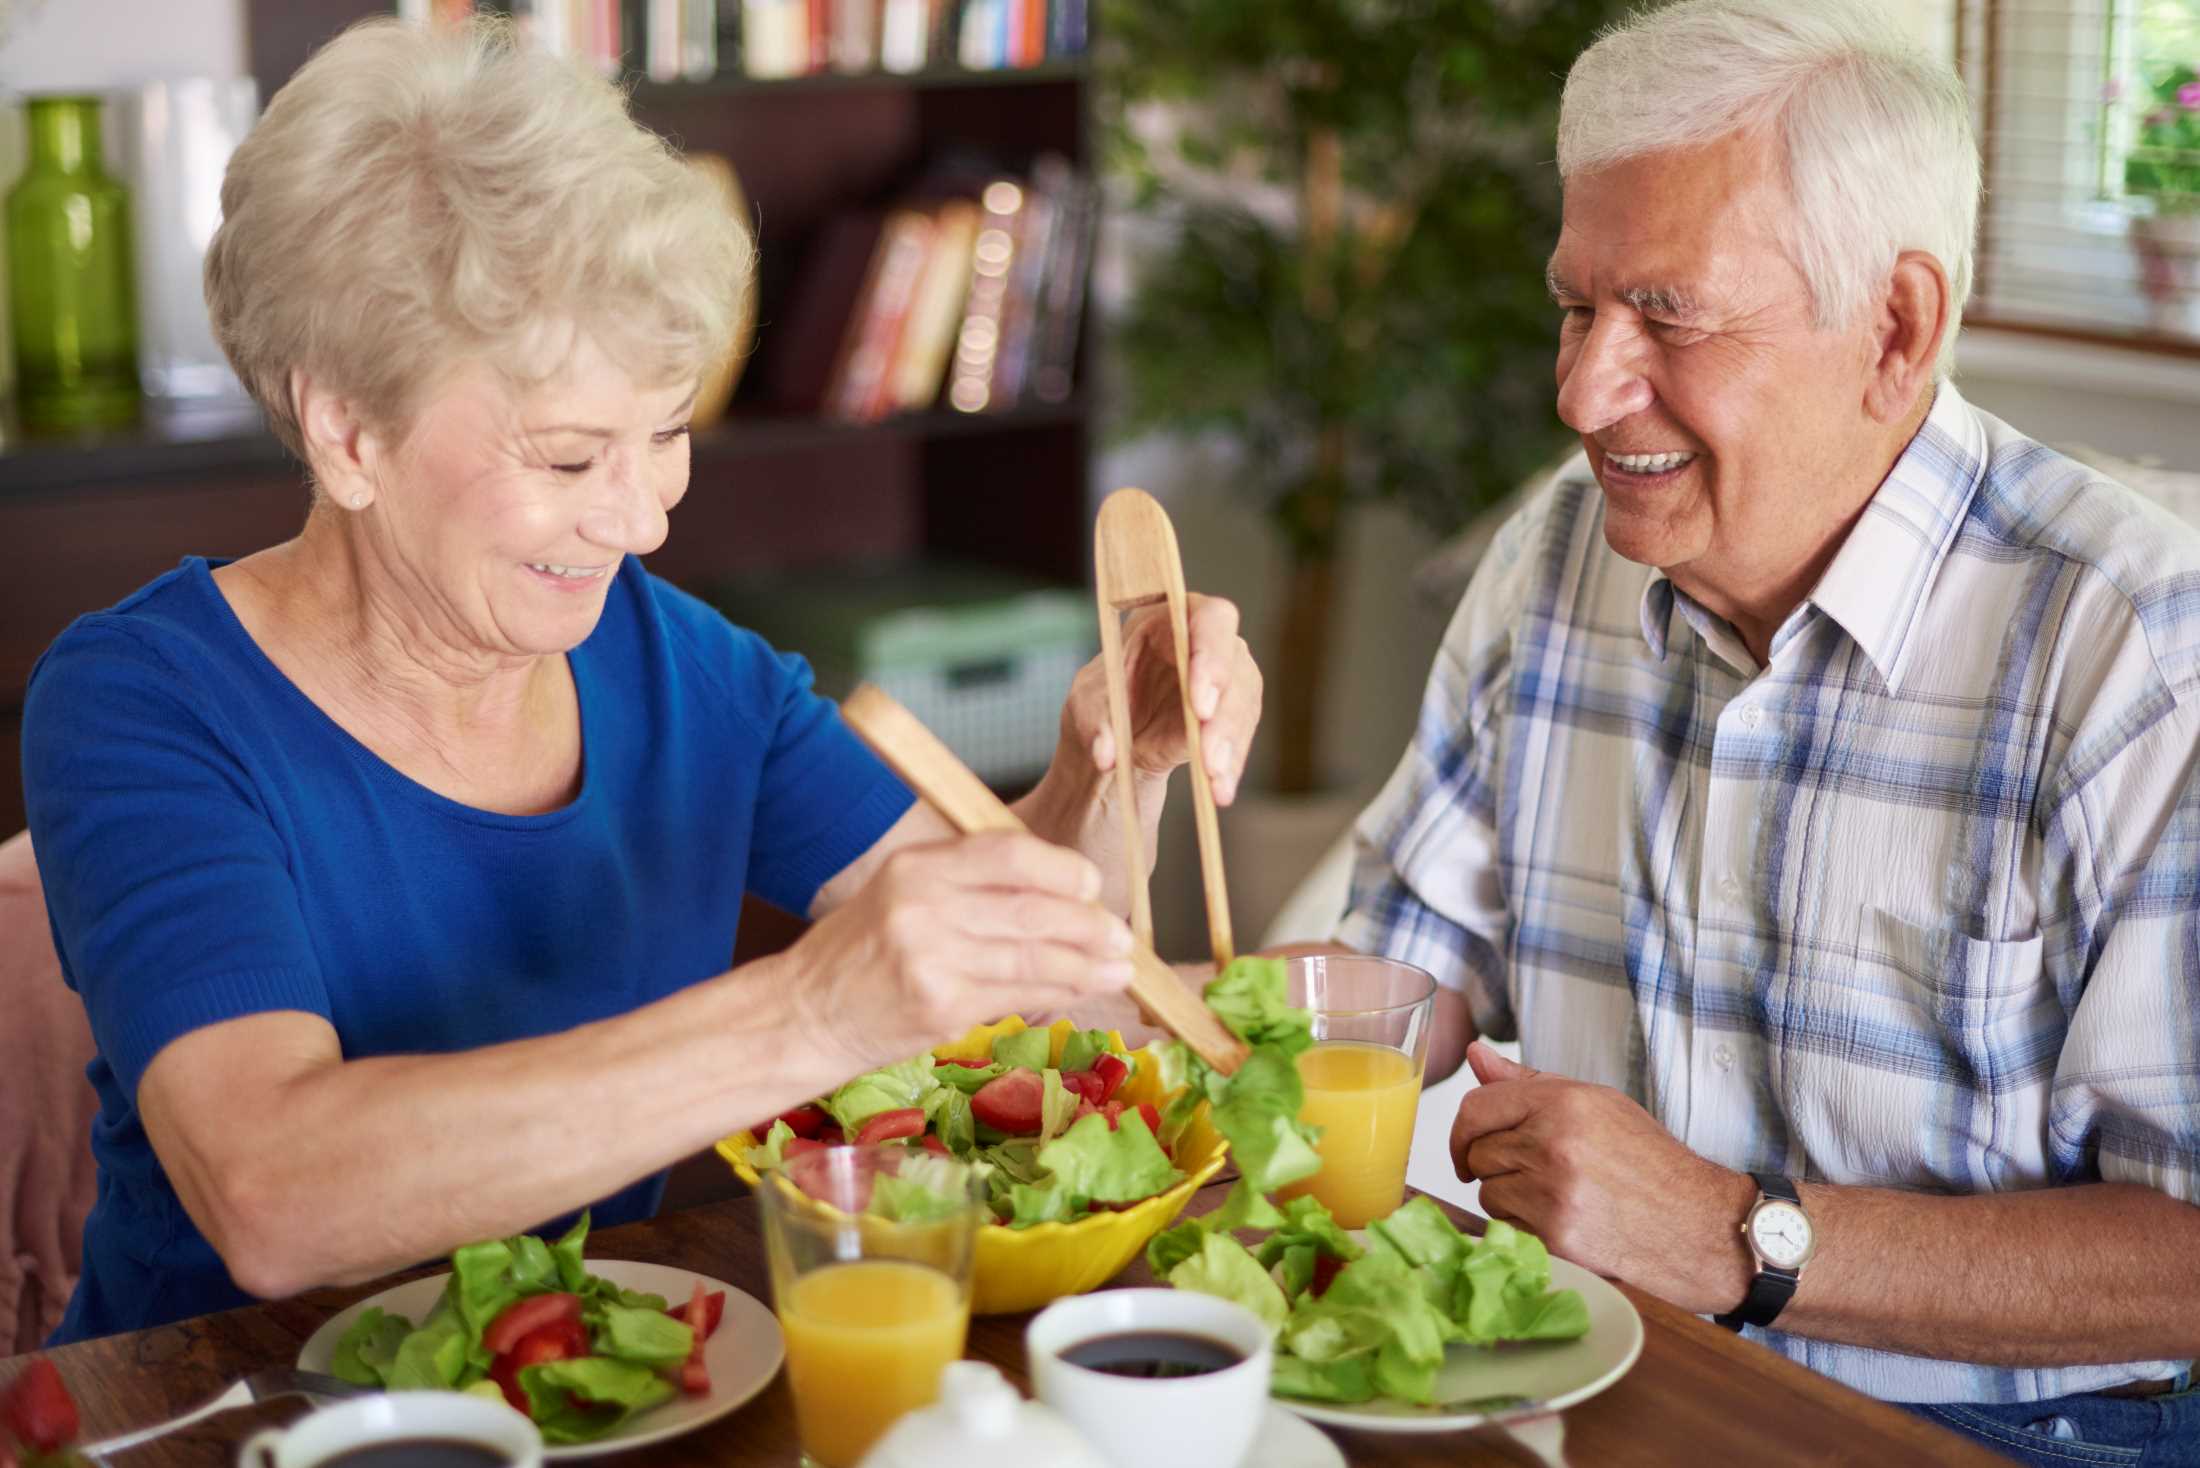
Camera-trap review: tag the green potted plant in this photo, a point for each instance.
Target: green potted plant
(1358, 197)
(2163, 169)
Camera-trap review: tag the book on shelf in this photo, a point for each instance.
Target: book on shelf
(693, 40)
(971, 290)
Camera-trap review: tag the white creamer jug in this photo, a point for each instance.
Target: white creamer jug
(979, 1413)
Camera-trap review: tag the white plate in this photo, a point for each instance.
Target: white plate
(1286, 1442)
(1555, 1373)
(743, 1354)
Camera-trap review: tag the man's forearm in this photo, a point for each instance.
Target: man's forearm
(2096, 1273)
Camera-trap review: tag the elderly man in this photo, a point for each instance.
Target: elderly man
(1809, 777)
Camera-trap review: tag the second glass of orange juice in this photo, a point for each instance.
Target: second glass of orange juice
(873, 1308)
(1363, 1077)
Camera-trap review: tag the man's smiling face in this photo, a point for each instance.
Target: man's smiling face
(1716, 414)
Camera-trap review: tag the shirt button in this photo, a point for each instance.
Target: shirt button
(1752, 716)
(1730, 889)
(1723, 1056)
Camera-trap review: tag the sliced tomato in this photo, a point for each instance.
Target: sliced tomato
(796, 1146)
(37, 1407)
(932, 1143)
(1151, 1115)
(505, 1373)
(806, 1121)
(1325, 1270)
(833, 1136)
(891, 1126)
(560, 1340)
(1113, 1111)
(714, 1310)
(966, 1064)
(1110, 1071)
(523, 1317)
(1013, 1102)
(695, 1372)
(1082, 1083)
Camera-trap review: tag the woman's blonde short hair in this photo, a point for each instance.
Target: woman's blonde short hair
(413, 201)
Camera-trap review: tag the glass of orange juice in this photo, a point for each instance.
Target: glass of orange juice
(1362, 1077)
(873, 1307)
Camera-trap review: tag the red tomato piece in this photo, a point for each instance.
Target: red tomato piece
(1325, 1270)
(560, 1340)
(1012, 1102)
(505, 1373)
(1113, 1111)
(806, 1121)
(833, 1136)
(796, 1146)
(965, 1064)
(523, 1317)
(1152, 1115)
(932, 1143)
(1111, 1071)
(37, 1407)
(890, 1126)
(714, 1310)
(695, 1373)
(1082, 1084)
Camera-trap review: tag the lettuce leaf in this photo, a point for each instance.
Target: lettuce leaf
(1259, 1113)
(1223, 1268)
(890, 1088)
(572, 1273)
(1031, 1049)
(1375, 1305)
(1031, 1203)
(768, 1154)
(368, 1349)
(432, 1358)
(1502, 1292)
(1083, 1048)
(645, 1337)
(948, 1110)
(576, 1401)
(1348, 1379)
(1172, 1246)
(1057, 1106)
(967, 1078)
(1253, 998)
(1306, 1222)
(1094, 1164)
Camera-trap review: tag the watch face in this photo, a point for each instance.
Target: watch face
(1781, 1232)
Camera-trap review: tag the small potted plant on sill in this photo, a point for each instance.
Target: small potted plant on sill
(2163, 170)
(1351, 202)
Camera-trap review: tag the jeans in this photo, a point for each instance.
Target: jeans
(2076, 1431)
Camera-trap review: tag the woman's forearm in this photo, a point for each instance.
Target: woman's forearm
(305, 1172)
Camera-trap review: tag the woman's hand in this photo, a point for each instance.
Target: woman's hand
(1226, 692)
(953, 934)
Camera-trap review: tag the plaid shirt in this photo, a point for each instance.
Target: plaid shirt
(1916, 904)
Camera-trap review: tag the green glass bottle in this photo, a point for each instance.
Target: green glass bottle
(71, 293)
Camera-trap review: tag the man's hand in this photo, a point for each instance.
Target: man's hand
(1603, 1184)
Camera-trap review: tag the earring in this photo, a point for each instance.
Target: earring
(358, 501)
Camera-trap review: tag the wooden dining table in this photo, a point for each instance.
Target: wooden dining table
(1697, 1394)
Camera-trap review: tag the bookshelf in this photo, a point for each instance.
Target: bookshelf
(772, 490)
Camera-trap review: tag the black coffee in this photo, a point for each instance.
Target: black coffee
(421, 1452)
(1153, 1354)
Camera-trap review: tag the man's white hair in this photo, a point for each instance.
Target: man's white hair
(1880, 152)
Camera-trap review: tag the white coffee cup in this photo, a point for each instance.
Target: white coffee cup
(1206, 1421)
(392, 1417)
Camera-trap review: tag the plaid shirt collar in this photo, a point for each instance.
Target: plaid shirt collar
(1877, 585)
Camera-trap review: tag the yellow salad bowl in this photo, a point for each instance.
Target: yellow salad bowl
(1023, 1268)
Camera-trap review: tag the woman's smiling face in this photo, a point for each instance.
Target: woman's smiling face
(505, 512)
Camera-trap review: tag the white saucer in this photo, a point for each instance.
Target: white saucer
(1289, 1441)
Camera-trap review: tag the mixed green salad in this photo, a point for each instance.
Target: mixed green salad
(1352, 1321)
(523, 1321)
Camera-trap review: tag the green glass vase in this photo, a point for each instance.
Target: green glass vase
(70, 286)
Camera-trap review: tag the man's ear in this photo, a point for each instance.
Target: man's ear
(1914, 315)
(339, 449)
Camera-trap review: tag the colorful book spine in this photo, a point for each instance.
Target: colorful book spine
(928, 341)
(1053, 368)
(1020, 302)
(905, 35)
(861, 389)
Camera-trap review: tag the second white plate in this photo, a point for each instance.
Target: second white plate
(1556, 1374)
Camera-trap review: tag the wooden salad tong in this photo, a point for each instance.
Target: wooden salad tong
(931, 769)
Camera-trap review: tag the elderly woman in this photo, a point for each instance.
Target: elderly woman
(398, 865)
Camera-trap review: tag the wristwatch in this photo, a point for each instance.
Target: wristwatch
(1779, 1236)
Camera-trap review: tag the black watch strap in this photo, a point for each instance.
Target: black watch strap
(1773, 1287)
